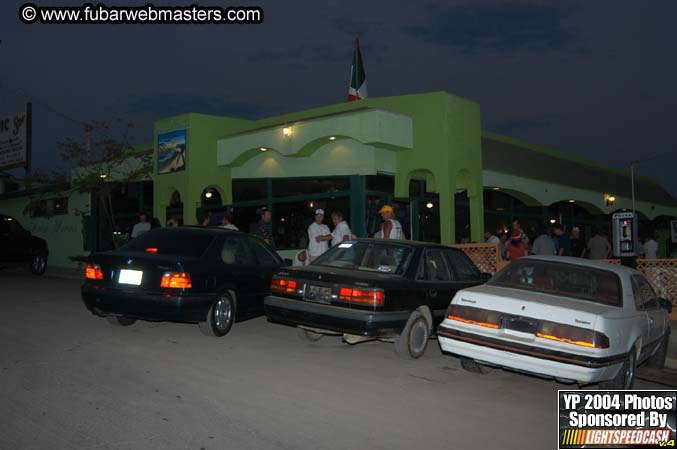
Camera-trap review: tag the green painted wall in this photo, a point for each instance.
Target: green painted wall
(63, 233)
(446, 151)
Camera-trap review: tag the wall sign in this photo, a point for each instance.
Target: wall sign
(171, 152)
(15, 140)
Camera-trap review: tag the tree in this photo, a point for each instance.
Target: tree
(99, 162)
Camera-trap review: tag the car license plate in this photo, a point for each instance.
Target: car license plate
(521, 325)
(130, 277)
(318, 294)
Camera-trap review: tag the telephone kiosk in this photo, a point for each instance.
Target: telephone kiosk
(625, 237)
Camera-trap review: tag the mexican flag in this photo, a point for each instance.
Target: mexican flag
(358, 81)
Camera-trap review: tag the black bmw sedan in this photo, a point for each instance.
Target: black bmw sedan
(209, 276)
(373, 289)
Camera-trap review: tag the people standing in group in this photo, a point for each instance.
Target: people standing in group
(206, 219)
(141, 227)
(341, 231)
(543, 244)
(516, 248)
(503, 242)
(598, 245)
(563, 241)
(301, 259)
(172, 223)
(318, 236)
(227, 222)
(650, 247)
(264, 227)
(517, 227)
(491, 238)
(577, 245)
(391, 228)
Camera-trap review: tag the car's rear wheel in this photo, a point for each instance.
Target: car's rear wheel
(220, 317)
(473, 366)
(625, 377)
(657, 360)
(308, 335)
(413, 340)
(38, 264)
(120, 321)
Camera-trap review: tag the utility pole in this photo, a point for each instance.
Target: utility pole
(632, 182)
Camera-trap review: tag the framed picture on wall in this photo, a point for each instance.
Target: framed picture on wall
(171, 152)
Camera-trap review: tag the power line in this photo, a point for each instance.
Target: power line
(44, 104)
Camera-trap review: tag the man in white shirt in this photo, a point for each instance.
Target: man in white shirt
(318, 236)
(140, 227)
(392, 229)
(341, 229)
(227, 222)
(491, 238)
(650, 248)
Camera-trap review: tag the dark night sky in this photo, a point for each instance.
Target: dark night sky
(596, 79)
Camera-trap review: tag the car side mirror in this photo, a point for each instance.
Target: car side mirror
(287, 262)
(665, 303)
(485, 277)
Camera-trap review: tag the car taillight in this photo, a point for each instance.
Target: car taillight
(572, 335)
(283, 285)
(93, 272)
(151, 250)
(176, 280)
(474, 316)
(372, 297)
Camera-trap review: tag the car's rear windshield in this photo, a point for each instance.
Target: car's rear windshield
(182, 242)
(367, 256)
(568, 280)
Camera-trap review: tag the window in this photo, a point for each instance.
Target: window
(567, 280)
(265, 257)
(645, 297)
(49, 207)
(245, 218)
(367, 256)
(291, 219)
(434, 267)
(168, 241)
(462, 266)
(250, 190)
(381, 183)
(235, 251)
(288, 187)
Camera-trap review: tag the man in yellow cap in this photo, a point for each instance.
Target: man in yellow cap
(391, 228)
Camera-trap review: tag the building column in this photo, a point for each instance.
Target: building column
(447, 214)
(358, 205)
(476, 216)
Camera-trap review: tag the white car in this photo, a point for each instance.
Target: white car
(571, 319)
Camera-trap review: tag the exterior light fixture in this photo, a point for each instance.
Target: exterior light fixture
(332, 138)
(312, 204)
(572, 201)
(552, 221)
(208, 194)
(103, 176)
(609, 199)
(263, 149)
(286, 131)
(496, 188)
(429, 205)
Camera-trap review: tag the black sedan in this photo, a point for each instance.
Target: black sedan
(373, 289)
(209, 276)
(19, 247)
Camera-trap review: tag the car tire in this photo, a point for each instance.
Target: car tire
(120, 321)
(625, 377)
(220, 317)
(473, 366)
(413, 340)
(38, 264)
(308, 335)
(657, 360)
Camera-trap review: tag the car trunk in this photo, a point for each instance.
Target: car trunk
(153, 267)
(533, 305)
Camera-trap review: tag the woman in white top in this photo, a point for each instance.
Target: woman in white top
(392, 229)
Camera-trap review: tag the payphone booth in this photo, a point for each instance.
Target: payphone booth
(625, 237)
